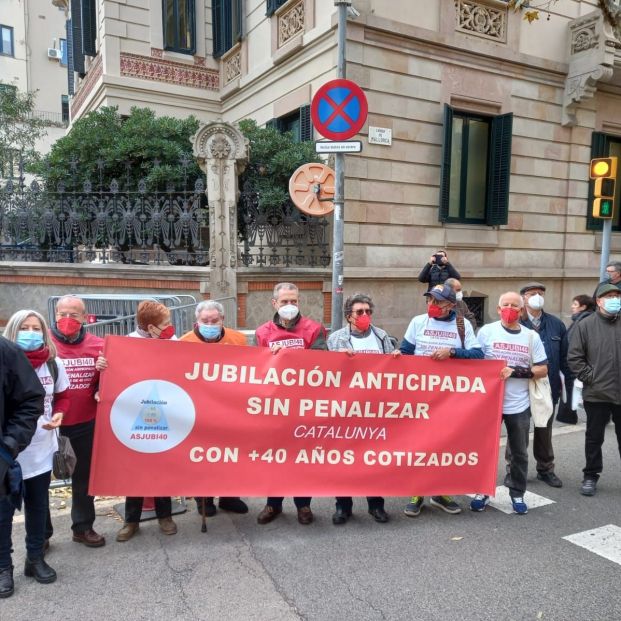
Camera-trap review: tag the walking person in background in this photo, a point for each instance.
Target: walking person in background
(29, 331)
(437, 270)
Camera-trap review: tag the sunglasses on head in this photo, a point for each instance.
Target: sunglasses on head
(362, 311)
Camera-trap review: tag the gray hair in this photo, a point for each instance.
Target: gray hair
(512, 293)
(451, 282)
(287, 286)
(357, 298)
(17, 319)
(70, 297)
(207, 305)
(616, 265)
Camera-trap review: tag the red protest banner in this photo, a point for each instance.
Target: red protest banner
(189, 419)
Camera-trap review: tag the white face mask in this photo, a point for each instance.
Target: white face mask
(459, 295)
(536, 302)
(288, 312)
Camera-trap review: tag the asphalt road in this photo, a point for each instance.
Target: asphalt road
(472, 566)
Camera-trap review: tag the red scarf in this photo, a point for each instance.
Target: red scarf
(38, 356)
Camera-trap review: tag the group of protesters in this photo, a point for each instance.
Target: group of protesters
(50, 377)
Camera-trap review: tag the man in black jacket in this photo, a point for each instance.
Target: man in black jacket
(595, 358)
(553, 334)
(21, 404)
(437, 270)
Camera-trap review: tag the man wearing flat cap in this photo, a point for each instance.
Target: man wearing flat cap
(553, 334)
(440, 334)
(595, 358)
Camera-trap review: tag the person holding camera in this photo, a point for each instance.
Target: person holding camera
(437, 270)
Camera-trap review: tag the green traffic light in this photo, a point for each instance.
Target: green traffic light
(605, 209)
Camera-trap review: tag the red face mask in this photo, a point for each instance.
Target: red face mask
(362, 322)
(68, 326)
(434, 311)
(509, 315)
(167, 333)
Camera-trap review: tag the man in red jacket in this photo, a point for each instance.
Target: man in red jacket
(79, 349)
(289, 329)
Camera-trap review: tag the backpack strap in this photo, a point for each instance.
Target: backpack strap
(52, 366)
(461, 330)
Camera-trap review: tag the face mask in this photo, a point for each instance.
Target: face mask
(362, 322)
(433, 310)
(509, 315)
(29, 340)
(209, 332)
(459, 296)
(288, 312)
(68, 326)
(608, 276)
(536, 302)
(612, 305)
(167, 333)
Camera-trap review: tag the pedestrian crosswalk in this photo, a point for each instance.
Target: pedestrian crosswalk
(502, 501)
(604, 541)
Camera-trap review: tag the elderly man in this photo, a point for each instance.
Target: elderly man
(440, 334)
(360, 336)
(21, 404)
(512, 342)
(461, 308)
(594, 355)
(79, 349)
(553, 335)
(209, 329)
(289, 329)
(613, 276)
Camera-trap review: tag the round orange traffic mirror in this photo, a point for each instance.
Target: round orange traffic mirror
(311, 188)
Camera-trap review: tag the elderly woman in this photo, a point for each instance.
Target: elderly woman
(29, 331)
(152, 322)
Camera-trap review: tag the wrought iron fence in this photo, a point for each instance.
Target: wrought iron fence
(281, 236)
(83, 222)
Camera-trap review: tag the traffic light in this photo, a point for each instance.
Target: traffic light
(604, 171)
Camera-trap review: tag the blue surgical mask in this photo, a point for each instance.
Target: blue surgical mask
(29, 340)
(612, 305)
(209, 332)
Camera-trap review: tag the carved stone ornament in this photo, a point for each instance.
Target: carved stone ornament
(232, 67)
(291, 23)
(480, 19)
(591, 60)
(218, 140)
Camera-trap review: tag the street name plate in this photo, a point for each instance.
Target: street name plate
(344, 146)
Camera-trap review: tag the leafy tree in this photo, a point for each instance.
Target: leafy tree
(18, 129)
(103, 145)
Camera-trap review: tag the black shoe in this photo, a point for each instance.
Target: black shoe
(234, 505)
(550, 478)
(379, 515)
(588, 487)
(39, 570)
(210, 508)
(340, 516)
(6, 582)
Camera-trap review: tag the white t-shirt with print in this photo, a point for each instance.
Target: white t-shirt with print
(36, 458)
(500, 344)
(429, 334)
(365, 344)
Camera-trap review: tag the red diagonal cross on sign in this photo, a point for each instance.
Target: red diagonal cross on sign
(339, 109)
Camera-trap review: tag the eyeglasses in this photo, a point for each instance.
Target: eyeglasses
(72, 315)
(362, 311)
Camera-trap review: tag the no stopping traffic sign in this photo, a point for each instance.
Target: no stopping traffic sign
(339, 109)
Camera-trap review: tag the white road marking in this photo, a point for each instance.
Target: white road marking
(502, 500)
(604, 541)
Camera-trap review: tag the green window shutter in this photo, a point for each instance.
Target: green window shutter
(499, 170)
(76, 25)
(306, 126)
(89, 28)
(445, 171)
(600, 146)
(237, 22)
(217, 27)
(272, 123)
(272, 5)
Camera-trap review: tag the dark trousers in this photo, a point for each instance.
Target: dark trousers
(542, 447)
(82, 505)
(36, 503)
(598, 416)
(346, 503)
(133, 508)
(300, 502)
(518, 426)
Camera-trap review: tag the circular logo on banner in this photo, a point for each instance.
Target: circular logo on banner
(152, 416)
(339, 109)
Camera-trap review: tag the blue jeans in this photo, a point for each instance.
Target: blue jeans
(518, 426)
(36, 504)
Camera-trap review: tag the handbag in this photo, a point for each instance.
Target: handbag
(566, 415)
(64, 459)
(14, 480)
(540, 393)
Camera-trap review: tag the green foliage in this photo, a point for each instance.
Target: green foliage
(273, 158)
(140, 146)
(18, 129)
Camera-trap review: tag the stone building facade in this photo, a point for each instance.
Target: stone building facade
(493, 121)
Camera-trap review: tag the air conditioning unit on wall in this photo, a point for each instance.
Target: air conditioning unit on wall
(52, 52)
